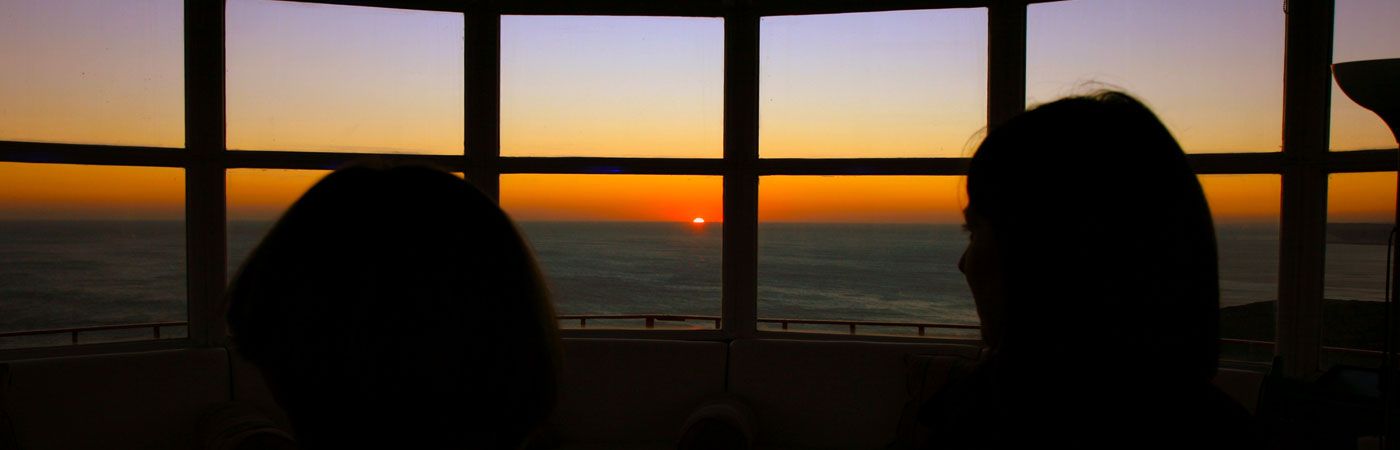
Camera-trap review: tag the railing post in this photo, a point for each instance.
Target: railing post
(784, 324)
(75, 338)
(582, 323)
(717, 324)
(921, 330)
(853, 328)
(157, 331)
(651, 322)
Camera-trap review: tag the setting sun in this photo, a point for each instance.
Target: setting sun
(698, 220)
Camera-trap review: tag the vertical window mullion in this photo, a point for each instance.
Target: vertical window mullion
(740, 241)
(205, 212)
(1006, 61)
(483, 100)
(1307, 90)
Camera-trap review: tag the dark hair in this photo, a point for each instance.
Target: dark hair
(1104, 239)
(399, 306)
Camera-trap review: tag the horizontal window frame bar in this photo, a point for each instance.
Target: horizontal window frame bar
(259, 159)
(1386, 160)
(456, 6)
(606, 165)
(862, 166)
(672, 8)
(813, 7)
(1236, 163)
(1375, 160)
(676, 8)
(680, 8)
(93, 154)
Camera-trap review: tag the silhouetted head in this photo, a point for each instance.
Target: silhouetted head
(399, 307)
(1092, 244)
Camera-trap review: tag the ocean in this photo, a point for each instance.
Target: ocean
(56, 274)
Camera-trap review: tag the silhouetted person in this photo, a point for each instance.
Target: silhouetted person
(1092, 261)
(399, 308)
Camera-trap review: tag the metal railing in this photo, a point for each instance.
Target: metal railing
(1269, 345)
(651, 319)
(74, 331)
(921, 326)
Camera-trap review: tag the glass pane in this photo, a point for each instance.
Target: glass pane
(612, 86)
(93, 72)
(624, 245)
(309, 77)
(1360, 213)
(1246, 212)
(1365, 29)
(256, 199)
(1212, 70)
(886, 84)
(87, 246)
(841, 250)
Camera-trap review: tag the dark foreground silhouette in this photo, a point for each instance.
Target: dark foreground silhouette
(399, 308)
(1093, 265)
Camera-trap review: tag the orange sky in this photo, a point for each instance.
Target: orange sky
(861, 199)
(261, 194)
(61, 191)
(1361, 197)
(1243, 198)
(665, 198)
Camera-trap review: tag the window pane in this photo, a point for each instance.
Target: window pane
(84, 246)
(887, 84)
(256, 199)
(612, 86)
(1365, 29)
(1360, 213)
(1246, 213)
(309, 77)
(93, 72)
(868, 248)
(624, 244)
(1212, 70)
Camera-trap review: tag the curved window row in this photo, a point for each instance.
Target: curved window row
(685, 169)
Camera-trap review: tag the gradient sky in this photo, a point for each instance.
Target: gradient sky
(348, 79)
(1211, 69)
(886, 84)
(1366, 29)
(612, 86)
(906, 83)
(93, 72)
